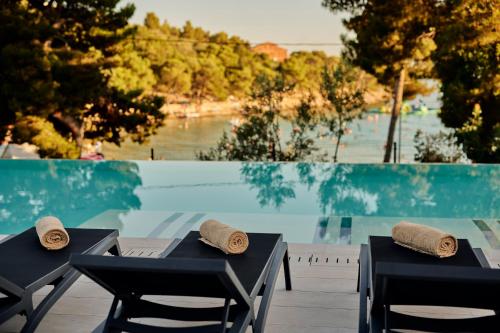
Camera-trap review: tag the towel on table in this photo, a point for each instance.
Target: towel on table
(425, 239)
(51, 233)
(224, 237)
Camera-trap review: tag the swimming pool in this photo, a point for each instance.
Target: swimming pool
(308, 203)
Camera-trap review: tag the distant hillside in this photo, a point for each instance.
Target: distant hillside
(194, 64)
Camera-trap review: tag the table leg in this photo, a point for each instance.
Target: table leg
(115, 249)
(286, 268)
(359, 273)
(363, 288)
(265, 302)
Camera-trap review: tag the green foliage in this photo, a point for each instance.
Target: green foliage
(462, 39)
(130, 71)
(301, 145)
(259, 137)
(209, 79)
(438, 148)
(467, 62)
(194, 63)
(392, 40)
(194, 33)
(343, 92)
(42, 133)
(152, 21)
(471, 135)
(304, 69)
(65, 62)
(390, 36)
(175, 76)
(138, 116)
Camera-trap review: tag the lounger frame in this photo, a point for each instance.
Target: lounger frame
(61, 279)
(381, 318)
(241, 314)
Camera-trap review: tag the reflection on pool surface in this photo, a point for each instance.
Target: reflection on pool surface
(320, 203)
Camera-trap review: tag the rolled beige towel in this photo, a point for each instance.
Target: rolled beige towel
(425, 239)
(51, 233)
(224, 237)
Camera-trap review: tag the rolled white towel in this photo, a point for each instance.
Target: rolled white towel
(425, 239)
(51, 233)
(224, 237)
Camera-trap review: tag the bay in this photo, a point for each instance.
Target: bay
(180, 139)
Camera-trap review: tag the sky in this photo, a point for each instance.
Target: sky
(280, 21)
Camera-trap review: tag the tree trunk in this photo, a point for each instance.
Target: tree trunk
(339, 137)
(72, 125)
(396, 108)
(272, 151)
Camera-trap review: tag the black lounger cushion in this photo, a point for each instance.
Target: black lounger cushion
(23, 260)
(248, 266)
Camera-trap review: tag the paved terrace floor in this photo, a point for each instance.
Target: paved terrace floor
(323, 298)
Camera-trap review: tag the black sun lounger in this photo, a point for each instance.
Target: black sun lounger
(393, 275)
(25, 267)
(191, 268)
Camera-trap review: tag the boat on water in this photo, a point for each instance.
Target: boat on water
(419, 109)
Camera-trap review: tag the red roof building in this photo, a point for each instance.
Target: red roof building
(272, 50)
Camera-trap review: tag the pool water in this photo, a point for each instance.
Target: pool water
(308, 203)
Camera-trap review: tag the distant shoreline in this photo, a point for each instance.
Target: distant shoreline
(181, 107)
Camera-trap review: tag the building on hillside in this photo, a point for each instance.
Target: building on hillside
(272, 50)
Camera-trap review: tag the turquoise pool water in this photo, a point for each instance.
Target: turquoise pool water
(308, 203)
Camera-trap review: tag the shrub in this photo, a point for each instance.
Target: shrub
(42, 133)
(438, 148)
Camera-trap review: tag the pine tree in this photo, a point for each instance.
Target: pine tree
(342, 89)
(467, 63)
(58, 64)
(393, 41)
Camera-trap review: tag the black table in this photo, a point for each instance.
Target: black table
(25, 267)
